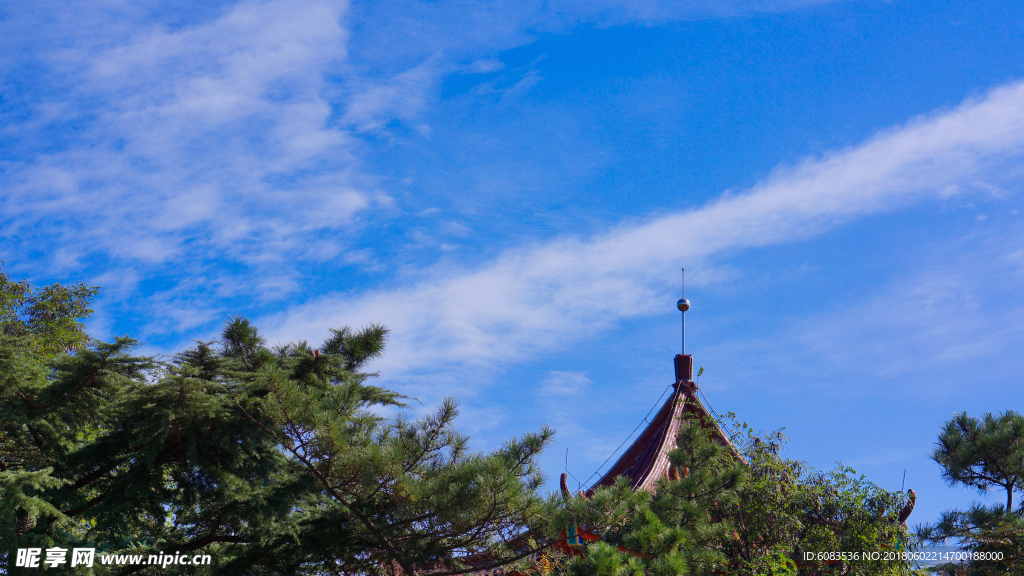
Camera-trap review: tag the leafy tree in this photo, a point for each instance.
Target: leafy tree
(752, 517)
(278, 460)
(272, 460)
(51, 315)
(788, 508)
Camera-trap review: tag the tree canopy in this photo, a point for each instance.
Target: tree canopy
(677, 529)
(274, 460)
(284, 460)
(52, 316)
(984, 454)
(751, 517)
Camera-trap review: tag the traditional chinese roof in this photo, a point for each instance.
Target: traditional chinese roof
(646, 461)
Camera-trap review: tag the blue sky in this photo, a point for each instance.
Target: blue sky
(513, 187)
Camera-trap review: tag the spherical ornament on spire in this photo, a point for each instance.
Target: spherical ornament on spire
(683, 304)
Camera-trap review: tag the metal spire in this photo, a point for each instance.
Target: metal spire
(683, 305)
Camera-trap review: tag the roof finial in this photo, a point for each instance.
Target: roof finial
(683, 306)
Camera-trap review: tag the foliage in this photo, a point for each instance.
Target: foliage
(51, 315)
(985, 530)
(789, 509)
(408, 492)
(755, 516)
(677, 529)
(280, 460)
(983, 454)
(272, 460)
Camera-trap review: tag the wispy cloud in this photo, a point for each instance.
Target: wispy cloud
(202, 142)
(232, 132)
(402, 96)
(610, 12)
(562, 383)
(234, 140)
(949, 315)
(399, 33)
(545, 295)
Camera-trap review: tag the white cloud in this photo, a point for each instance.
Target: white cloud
(229, 131)
(522, 87)
(212, 140)
(402, 96)
(612, 12)
(547, 295)
(561, 383)
(399, 33)
(956, 311)
(950, 316)
(485, 66)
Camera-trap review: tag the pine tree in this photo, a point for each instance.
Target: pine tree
(387, 491)
(271, 460)
(983, 454)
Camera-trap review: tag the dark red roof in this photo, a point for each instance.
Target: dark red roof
(646, 460)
